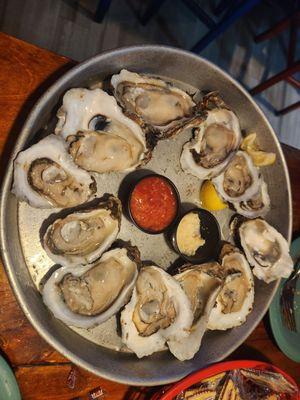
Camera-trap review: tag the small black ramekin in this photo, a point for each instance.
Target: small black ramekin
(209, 231)
(176, 193)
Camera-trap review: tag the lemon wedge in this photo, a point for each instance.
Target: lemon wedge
(210, 200)
(249, 142)
(259, 157)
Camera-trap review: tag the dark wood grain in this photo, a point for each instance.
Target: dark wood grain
(64, 382)
(25, 71)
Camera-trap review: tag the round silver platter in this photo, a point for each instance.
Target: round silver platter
(100, 349)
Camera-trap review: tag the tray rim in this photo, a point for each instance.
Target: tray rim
(6, 185)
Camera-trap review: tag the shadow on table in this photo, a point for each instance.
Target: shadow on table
(267, 325)
(134, 393)
(249, 353)
(24, 112)
(245, 352)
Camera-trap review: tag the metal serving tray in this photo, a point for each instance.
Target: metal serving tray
(100, 349)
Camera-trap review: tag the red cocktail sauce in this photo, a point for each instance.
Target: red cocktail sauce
(153, 204)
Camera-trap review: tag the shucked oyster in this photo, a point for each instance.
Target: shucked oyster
(258, 205)
(45, 176)
(266, 250)
(82, 236)
(240, 180)
(235, 300)
(158, 312)
(101, 137)
(99, 152)
(86, 296)
(216, 137)
(154, 102)
(201, 283)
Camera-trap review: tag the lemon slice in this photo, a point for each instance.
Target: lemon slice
(249, 141)
(260, 158)
(210, 200)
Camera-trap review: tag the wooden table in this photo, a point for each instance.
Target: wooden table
(42, 373)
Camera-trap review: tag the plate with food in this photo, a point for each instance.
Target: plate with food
(146, 215)
(245, 379)
(288, 340)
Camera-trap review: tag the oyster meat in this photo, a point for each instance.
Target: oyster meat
(153, 102)
(239, 181)
(86, 296)
(236, 298)
(201, 283)
(216, 138)
(258, 205)
(266, 250)
(158, 312)
(82, 236)
(45, 176)
(100, 136)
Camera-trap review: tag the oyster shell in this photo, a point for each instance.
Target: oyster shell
(45, 176)
(101, 137)
(82, 236)
(239, 181)
(153, 102)
(201, 283)
(216, 137)
(236, 298)
(266, 250)
(86, 296)
(158, 312)
(257, 206)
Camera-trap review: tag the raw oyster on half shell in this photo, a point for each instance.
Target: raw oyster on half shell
(45, 176)
(153, 102)
(240, 180)
(257, 206)
(236, 298)
(86, 296)
(216, 138)
(266, 250)
(100, 136)
(82, 236)
(201, 283)
(159, 312)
